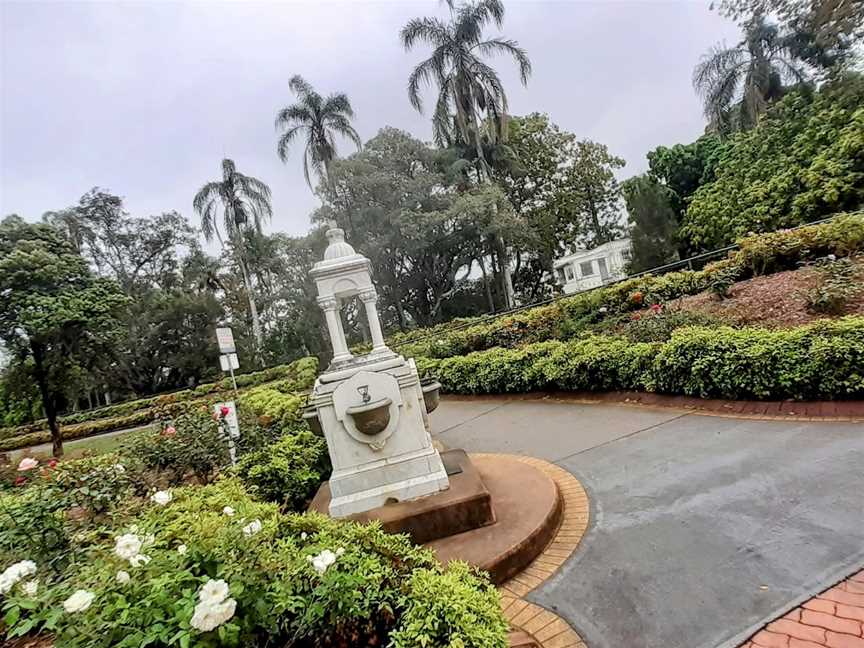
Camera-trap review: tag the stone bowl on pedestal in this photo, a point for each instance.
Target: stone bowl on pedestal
(431, 395)
(372, 417)
(310, 415)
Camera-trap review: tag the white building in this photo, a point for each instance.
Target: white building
(586, 269)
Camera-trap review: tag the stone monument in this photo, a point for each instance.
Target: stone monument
(493, 511)
(371, 408)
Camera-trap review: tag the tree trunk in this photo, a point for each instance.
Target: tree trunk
(48, 402)
(253, 309)
(486, 285)
(503, 261)
(599, 239)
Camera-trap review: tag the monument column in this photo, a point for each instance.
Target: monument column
(370, 299)
(337, 337)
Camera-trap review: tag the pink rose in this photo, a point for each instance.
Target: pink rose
(225, 410)
(27, 463)
(169, 431)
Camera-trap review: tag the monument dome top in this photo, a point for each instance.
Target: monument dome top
(338, 247)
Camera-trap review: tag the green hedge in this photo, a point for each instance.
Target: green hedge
(285, 380)
(757, 255)
(824, 360)
(296, 376)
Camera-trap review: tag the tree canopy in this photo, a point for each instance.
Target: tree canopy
(803, 161)
(57, 319)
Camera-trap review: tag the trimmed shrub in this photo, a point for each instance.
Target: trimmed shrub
(297, 376)
(299, 580)
(287, 472)
(823, 360)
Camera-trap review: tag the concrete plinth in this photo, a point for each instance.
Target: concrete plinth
(466, 505)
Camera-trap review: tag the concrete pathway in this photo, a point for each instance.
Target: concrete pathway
(704, 528)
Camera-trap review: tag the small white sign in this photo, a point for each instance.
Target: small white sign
(225, 338)
(229, 361)
(229, 420)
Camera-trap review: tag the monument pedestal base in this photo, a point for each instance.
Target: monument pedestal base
(466, 505)
(499, 514)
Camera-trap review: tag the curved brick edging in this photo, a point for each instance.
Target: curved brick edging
(547, 629)
(833, 619)
(849, 411)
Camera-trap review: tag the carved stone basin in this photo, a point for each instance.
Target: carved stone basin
(372, 417)
(310, 415)
(431, 395)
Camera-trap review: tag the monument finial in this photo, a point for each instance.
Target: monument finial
(337, 247)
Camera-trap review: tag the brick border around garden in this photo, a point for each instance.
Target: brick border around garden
(851, 411)
(531, 624)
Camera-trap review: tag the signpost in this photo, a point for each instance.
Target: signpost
(228, 361)
(228, 425)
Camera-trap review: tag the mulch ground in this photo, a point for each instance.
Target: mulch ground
(834, 619)
(776, 301)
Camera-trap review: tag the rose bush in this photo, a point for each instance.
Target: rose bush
(304, 579)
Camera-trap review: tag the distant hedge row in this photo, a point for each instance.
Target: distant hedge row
(824, 360)
(757, 255)
(294, 377)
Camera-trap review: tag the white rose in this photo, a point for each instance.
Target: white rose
(207, 617)
(123, 577)
(79, 601)
(228, 511)
(15, 573)
(119, 468)
(127, 546)
(323, 560)
(831, 257)
(252, 528)
(303, 536)
(138, 560)
(213, 592)
(27, 463)
(161, 497)
(182, 549)
(30, 588)
(340, 551)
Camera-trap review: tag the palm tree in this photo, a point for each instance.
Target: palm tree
(317, 120)
(738, 83)
(472, 104)
(245, 204)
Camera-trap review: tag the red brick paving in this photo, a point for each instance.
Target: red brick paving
(834, 619)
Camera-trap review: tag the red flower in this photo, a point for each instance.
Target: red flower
(656, 308)
(20, 480)
(636, 297)
(225, 410)
(52, 463)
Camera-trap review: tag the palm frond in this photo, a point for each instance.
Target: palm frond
(423, 74)
(511, 47)
(430, 30)
(337, 103)
(284, 143)
(300, 86)
(340, 124)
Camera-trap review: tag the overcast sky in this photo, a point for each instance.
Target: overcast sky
(145, 99)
